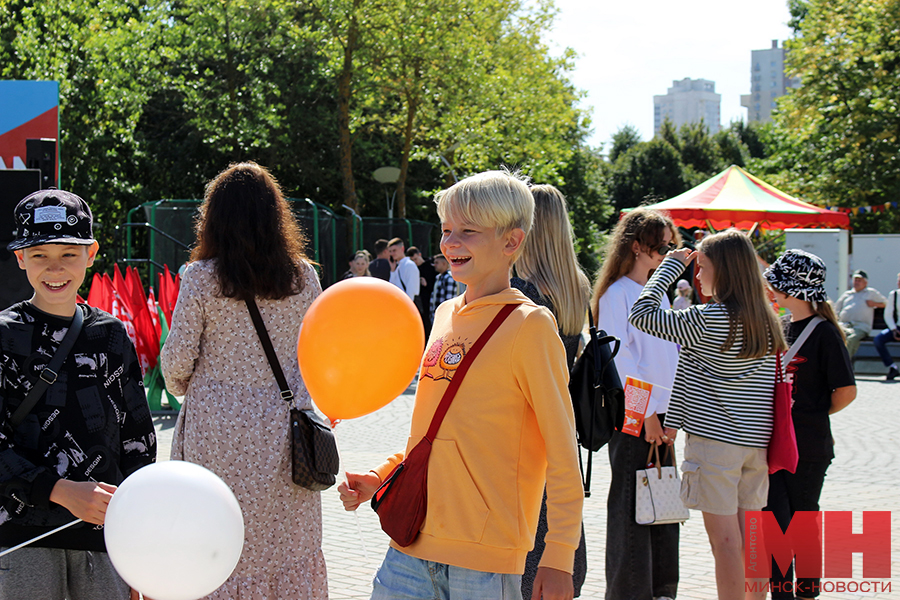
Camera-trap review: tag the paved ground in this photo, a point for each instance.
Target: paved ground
(864, 476)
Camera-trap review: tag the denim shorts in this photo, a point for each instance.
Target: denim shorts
(720, 478)
(403, 577)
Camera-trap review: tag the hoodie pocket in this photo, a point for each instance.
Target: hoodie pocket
(456, 509)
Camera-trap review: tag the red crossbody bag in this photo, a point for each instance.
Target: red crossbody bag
(402, 498)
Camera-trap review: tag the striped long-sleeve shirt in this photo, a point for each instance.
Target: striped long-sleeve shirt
(716, 395)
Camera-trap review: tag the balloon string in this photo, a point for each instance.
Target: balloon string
(40, 537)
(362, 540)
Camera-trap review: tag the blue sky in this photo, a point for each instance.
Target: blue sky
(630, 51)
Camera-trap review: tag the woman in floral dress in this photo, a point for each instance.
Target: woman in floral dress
(233, 420)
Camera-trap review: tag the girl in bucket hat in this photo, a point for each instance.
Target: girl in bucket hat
(823, 384)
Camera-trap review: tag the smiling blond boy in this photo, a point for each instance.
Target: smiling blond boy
(509, 429)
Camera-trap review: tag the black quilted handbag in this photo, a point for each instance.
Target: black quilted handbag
(314, 455)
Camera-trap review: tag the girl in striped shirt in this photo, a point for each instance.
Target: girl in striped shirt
(722, 395)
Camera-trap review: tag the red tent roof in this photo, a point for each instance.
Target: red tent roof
(735, 198)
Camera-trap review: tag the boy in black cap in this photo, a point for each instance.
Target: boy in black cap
(74, 420)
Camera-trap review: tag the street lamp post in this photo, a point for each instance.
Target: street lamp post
(386, 175)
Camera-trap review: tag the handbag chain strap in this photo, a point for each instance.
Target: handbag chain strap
(286, 394)
(50, 372)
(464, 365)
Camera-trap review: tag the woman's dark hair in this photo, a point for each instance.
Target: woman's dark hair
(246, 225)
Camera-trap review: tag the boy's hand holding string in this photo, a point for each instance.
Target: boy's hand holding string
(87, 500)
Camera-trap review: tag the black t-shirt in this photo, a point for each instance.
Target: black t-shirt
(380, 268)
(427, 272)
(820, 366)
(92, 424)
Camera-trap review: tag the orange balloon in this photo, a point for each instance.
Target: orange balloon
(359, 347)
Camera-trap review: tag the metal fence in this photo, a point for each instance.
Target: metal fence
(166, 233)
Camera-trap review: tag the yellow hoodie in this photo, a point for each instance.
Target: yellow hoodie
(510, 423)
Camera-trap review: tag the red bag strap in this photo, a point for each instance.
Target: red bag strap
(779, 372)
(464, 365)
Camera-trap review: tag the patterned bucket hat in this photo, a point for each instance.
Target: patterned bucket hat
(798, 274)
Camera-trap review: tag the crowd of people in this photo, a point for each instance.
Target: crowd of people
(504, 502)
(427, 281)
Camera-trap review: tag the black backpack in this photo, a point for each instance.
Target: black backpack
(598, 397)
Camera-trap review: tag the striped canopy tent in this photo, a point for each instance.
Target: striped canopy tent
(735, 198)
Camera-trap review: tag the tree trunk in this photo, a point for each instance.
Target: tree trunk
(231, 85)
(344, 93)
(412, 106)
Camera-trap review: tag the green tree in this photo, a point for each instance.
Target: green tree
(838, 134)
(699, 153)
(502, 99)
(585, 188)
(469, 82)
(751, 136)
(729, 148)
(668, 132)
(648, 172)
(241, 81)
(622, 141)
(78, 43)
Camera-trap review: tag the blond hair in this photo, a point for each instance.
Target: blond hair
(738, 284)
(497, 199)
(647, 227)
(548, 260)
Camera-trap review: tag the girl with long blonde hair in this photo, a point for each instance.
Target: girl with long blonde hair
(549, 263)
(548, 273)
(641, 561)
(723, 391)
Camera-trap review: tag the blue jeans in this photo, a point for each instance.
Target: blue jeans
(402, 577)
(881, 340)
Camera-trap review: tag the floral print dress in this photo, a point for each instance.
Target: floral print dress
(234, 423)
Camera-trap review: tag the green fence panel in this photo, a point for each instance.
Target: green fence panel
(331, 239)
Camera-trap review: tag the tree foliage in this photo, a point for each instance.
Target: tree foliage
(648, 172)
(157, 96)
(838, 134)
(623, 140)
(469, 82)
(76, 43)
(676, 160)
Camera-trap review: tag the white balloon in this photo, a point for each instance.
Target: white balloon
(174, 531)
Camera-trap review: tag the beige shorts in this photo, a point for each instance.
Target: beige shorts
(720, 478)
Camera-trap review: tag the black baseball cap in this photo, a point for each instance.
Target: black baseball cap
(52, 216)
(860, 273)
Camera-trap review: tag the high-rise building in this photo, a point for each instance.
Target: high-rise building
(688, 101)
(767, 82)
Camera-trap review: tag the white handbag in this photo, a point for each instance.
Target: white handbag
(657, 498)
